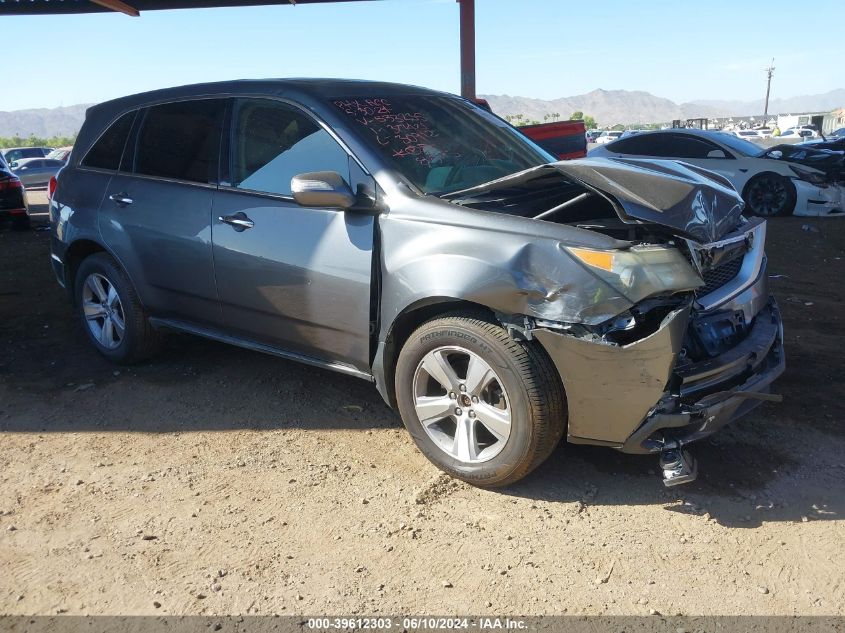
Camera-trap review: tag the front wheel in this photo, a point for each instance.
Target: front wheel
(481, 406)
(769, 195)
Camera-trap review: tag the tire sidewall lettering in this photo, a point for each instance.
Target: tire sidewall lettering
(437, 335)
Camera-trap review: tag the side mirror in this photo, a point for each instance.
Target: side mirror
(13, 164)
(322, 189)
(716, 153)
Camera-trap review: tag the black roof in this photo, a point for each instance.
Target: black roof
(316, 88)
(34, 7)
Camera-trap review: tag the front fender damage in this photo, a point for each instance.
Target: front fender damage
(611, 388)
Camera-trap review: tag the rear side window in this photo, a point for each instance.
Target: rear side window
(683, 146)
(273, 142)
(106, 152)
(644, 145)
(181, 140)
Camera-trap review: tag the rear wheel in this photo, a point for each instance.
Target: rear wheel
(481, 406)
(770, 195)
(111, 312)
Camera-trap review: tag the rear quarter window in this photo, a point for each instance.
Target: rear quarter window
(106, 152)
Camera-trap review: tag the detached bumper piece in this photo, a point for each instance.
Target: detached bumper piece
(678, 466)
(710, 394)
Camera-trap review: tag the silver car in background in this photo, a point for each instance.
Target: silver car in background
(498, 299)
(36, 172)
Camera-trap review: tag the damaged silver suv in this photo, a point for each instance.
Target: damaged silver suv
(500, 300)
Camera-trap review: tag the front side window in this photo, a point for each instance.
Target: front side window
(440, 144)
(272, 142)
(738, 145)
(181, 140)
(106, 152)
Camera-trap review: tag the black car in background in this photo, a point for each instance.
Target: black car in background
(12, 198)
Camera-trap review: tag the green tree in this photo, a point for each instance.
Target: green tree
(589, 122)
(36, 141)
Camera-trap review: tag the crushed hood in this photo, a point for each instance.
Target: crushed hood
(694, 203)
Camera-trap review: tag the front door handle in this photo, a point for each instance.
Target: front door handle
(121, 198)
(239, 221)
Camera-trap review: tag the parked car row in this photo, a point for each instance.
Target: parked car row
(11, 154)
(769, 187)
(34, 166)
(13, 204)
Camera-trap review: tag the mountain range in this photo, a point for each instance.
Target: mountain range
(607, 107)
(43, 122)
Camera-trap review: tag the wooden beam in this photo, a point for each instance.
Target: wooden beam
(117, 5)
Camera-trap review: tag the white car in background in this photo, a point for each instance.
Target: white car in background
(608, 136)
(769, 187)
(749, 135)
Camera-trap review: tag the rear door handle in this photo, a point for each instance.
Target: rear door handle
(238, 221)
(121, 199)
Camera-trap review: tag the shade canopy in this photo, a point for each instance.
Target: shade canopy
(133, 7)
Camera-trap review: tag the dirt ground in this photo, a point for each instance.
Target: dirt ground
(213, 480)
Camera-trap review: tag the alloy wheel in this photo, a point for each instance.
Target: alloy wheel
(767, 196)
(461, 404)
(103, 311)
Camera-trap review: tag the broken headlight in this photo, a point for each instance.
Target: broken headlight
(640, 271)
(813, 177)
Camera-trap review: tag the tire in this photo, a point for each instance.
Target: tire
(21, 222)
(770, 195)
(524, 387)
(101, 311)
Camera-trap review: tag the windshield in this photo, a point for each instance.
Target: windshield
(738, 145)
(440, 144)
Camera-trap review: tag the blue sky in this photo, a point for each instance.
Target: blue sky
(715, 49)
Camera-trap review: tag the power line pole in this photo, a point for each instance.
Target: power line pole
(769, 71)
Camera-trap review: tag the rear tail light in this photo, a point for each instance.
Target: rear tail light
(51, 188)
(11, 183)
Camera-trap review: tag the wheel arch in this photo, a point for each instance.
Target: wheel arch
(408, 320)
(75, 254)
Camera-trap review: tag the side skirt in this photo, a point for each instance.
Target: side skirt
(216, 335)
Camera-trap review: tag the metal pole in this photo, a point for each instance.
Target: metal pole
(467, 8)
(769, 71)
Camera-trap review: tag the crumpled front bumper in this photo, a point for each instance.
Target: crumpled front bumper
(715, 392)
(636, 397)
(815, 201)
